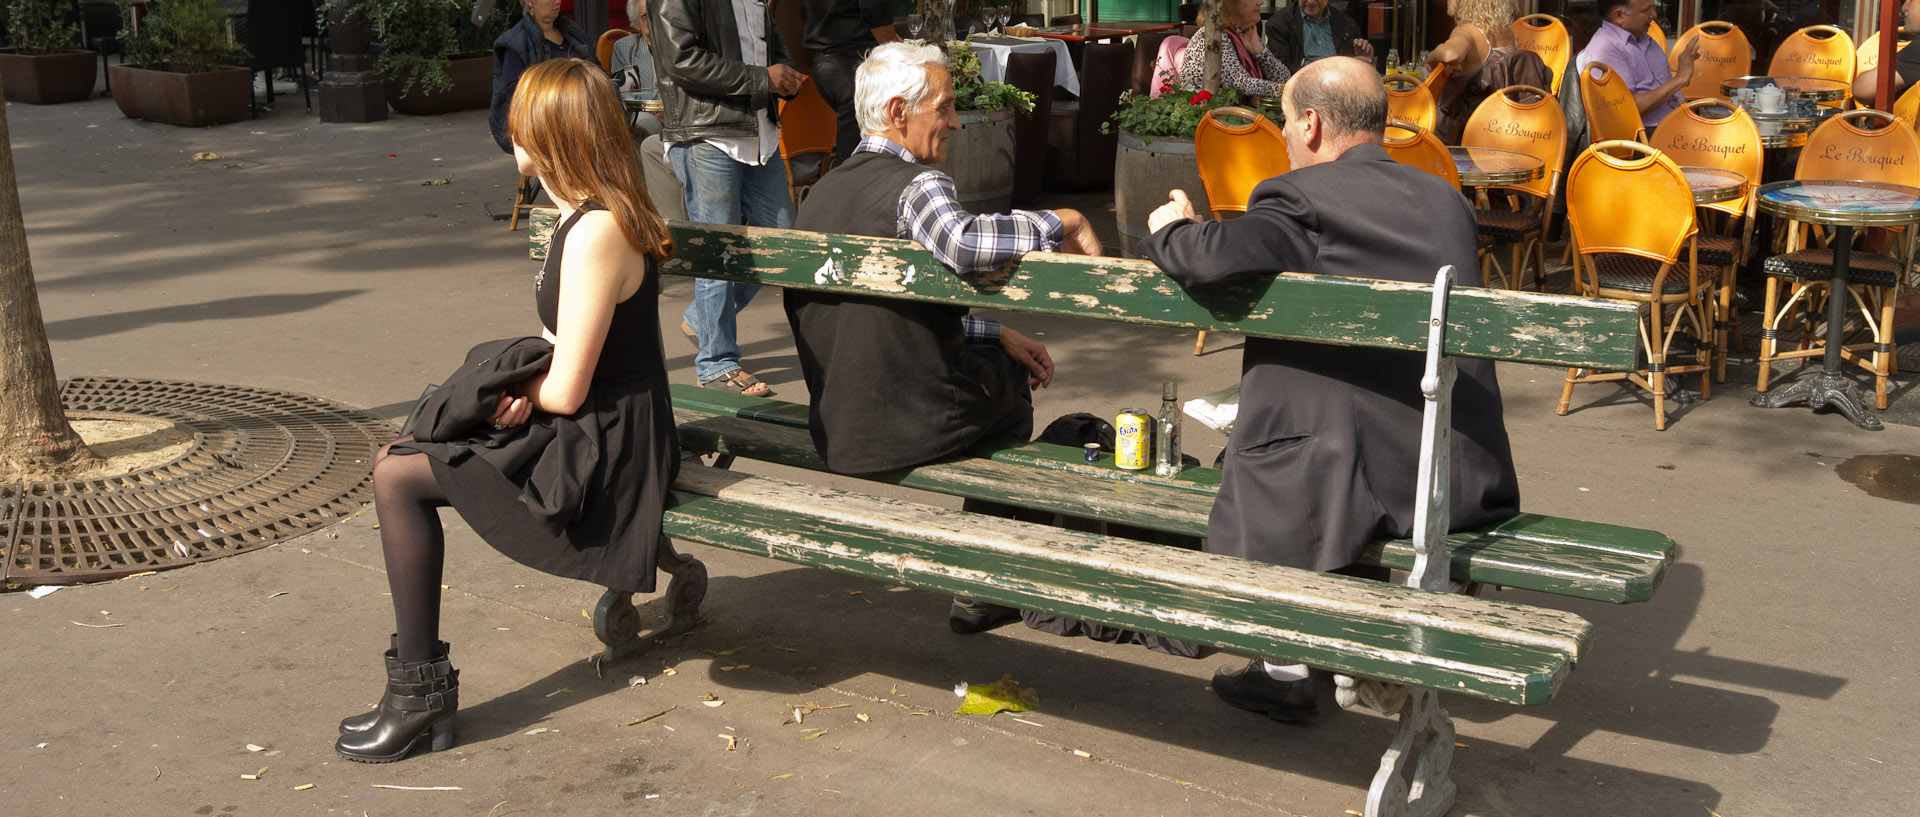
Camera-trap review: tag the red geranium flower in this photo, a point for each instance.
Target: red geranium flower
(1201, 97)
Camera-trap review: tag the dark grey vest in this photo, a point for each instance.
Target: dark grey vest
(892, 384)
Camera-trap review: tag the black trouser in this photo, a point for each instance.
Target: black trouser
(833, 78)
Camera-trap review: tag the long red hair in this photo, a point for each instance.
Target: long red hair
(569, 120)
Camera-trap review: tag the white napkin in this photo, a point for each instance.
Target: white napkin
(1216, 410)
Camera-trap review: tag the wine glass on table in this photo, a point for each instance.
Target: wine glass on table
(1006, 16)
(914, 22)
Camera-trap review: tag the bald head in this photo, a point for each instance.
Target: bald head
(1346, 95)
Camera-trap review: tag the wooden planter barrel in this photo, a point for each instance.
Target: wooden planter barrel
(1142, 175)
(46, 79)
(472, 89)
(192, 100)
(980, 160)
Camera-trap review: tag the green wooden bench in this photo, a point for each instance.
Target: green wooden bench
(1392, 647)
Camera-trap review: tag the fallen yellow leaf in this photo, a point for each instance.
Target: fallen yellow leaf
(781, 776)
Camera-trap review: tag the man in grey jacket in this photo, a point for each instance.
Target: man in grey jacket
(720, 65)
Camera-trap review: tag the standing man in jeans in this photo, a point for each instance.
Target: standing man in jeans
(720, 65)
(840, 33)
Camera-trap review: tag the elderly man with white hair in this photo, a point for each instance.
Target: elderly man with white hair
(896, 384)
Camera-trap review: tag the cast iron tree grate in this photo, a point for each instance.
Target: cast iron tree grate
(264, 466)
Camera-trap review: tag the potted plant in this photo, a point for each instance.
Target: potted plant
(1156, 151)
(436, 60)
(180, 67)
(980, 154)
(42, 66)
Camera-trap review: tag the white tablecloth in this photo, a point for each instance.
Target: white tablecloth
(993, 60)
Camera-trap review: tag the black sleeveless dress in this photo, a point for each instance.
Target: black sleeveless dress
(615, 458)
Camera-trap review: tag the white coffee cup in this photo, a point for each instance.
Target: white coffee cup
(1771, 99)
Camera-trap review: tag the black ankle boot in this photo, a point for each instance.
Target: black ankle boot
(420, 702)
(363, 721)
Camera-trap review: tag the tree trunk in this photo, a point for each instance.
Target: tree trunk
(1210, 37)
(35, 438)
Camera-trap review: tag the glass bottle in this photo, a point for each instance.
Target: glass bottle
(1166, 432)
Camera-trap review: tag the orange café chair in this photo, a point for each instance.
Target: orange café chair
(1822, 52)
(1711, 133)
(1724, 55)
(1233, 160)
(1907, 107)
(1528, 120)
(603, 48)
(1641, 253)
(806, 139)
(1413, 100)
(1867, 56)
(1415, 146)
(1545, 35)
(1612, 115)
(1842, 149)
(1657, 34)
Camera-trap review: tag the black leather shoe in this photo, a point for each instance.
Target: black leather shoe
(1252, 689)
(968, 616)
(364, 721)
(418, 709)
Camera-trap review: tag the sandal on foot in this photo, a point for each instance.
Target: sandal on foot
(739, 380)
(692, 336)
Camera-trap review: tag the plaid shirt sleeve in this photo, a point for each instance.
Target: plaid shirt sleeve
(931, 214)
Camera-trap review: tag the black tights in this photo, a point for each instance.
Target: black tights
(408, 501)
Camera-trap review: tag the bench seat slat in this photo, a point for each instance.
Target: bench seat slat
(1488, 649)
(1529, 551)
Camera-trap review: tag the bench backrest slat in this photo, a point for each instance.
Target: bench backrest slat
(1555, 330)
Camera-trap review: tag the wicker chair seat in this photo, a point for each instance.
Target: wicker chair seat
(1816, 264)
(1635, 273)
(1717, 250)
(1507, 226)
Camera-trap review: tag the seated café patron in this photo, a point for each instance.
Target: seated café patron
(1310, 29)
(1622, 44)
(895, 383)
(1246, 66)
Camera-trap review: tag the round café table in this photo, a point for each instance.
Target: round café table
(1711, 185)
(1842, 204)
(1492, 167)
(1813, 88)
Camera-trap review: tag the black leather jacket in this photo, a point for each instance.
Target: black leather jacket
(706, 89)
(1286, 36)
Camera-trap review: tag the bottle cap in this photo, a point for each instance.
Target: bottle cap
(1168, 390)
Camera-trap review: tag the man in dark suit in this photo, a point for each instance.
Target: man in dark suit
(1322, 459)
(1309, 30)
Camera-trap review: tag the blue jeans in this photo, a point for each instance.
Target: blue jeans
(720, 190)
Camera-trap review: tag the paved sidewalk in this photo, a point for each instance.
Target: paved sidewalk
(1764, 679)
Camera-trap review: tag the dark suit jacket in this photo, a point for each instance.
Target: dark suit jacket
(1288, 44)
(1324, 450)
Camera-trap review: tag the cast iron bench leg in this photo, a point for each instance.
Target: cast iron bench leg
(617, 622)
(1424, 742)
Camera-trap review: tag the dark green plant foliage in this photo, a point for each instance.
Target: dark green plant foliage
(1174, 114)
(186, 36)
(421, 35)
(971, 92)
(42, 26)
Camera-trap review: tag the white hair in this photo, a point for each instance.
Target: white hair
(634, 12)
(896, 69)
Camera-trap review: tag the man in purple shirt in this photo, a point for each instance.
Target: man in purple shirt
(1622, 43)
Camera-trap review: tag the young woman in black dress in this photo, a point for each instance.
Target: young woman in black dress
(568, 470)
